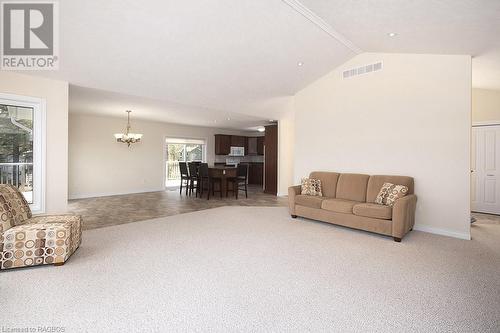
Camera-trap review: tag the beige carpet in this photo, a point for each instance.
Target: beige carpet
(256, 269)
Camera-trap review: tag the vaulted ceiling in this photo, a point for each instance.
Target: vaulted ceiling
(422, 26)
(203, 61)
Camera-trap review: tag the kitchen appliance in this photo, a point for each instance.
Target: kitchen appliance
(237, 151)
(232, 162)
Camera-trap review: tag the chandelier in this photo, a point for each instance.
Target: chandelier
(128, 137)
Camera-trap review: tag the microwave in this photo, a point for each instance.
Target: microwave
(237, 151)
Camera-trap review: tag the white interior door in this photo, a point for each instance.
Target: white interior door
(485, 169)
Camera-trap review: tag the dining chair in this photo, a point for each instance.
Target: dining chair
(193, 177)
(239, 183)
(184, 176)
(204, 178)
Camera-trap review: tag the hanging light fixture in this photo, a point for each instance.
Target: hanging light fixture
(128, 137)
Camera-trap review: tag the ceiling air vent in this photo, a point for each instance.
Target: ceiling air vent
(362, 70)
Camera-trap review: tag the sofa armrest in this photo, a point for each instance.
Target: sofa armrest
(403, 215)
(292, 192)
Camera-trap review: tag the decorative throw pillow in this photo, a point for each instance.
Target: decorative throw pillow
(6, 221)
(311, 186)
(396, 192)
(389, 193)
(383, 193)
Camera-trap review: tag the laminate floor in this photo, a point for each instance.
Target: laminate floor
(120, 209)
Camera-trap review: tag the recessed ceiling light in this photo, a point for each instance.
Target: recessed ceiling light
(392, 34)
(228, 118)
(215, 121)
(300, 63)
(261, 129)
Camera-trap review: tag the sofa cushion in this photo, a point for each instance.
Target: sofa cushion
(338, 205)
(352, 186)
(308, 201)
(375, 184)
(373, 210)
(328, 182)
(311, 186)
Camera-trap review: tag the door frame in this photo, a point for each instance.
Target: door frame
(39, 106)
(485, 123)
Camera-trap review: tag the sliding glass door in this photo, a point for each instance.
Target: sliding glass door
(21, 147)
(181, 150)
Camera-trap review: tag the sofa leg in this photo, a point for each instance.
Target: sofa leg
(294, 216)
(397, 239)
(59, 263)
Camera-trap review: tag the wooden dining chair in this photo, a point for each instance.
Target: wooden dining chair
(193, 177)
(204, 178)
(184, 176)
(239, 183)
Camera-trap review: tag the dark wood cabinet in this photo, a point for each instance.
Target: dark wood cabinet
(255, 145)
(256, 173)
(271, 160)
(252, 145)
(260, 145)
(238, 141)
(222, 144)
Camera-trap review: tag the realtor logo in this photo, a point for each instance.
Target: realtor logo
(30, 35)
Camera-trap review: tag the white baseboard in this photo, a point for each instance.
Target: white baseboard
(108, 194)
(442, 232)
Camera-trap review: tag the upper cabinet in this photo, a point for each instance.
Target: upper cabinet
(252, 145)
(260, 145)
(238, 141)
(255, 145)
(222, 144)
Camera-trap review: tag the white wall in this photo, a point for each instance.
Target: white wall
(485, 105)
(55, 94)
(99, 166)
(286, 133)
(412, 118)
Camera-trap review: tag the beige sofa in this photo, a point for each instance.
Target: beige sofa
(349, 200)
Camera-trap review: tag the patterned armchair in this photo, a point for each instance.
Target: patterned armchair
(31, 241)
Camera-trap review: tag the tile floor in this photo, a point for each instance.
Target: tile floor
(120, 209)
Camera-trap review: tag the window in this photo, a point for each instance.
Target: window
(21, 147)
(181, 150)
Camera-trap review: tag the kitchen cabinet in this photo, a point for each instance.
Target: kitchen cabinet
(255, 173)
(222, 144)
(238, 141)
(252, 145)
(271, 160)
(255, 145)
(260, 145)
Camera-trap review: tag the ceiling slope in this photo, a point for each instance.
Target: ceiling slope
(424, 26)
